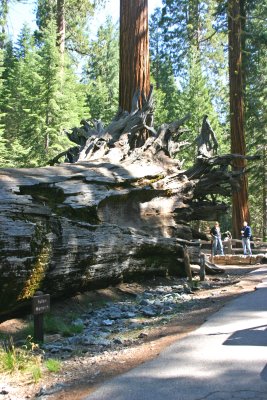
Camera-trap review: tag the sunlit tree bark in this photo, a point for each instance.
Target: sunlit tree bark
(240, 210)
(134, 51)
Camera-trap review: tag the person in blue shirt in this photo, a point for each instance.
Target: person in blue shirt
(217, 246)
(246, 235)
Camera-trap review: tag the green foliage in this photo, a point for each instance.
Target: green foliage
(45, 13)
(22, 89)
(77, 16)
(53, 365)
(183, 24)
(3, 21)
(160, 110)
(183, 32)
(168, 100)
(36, 373)
(53, 324)
(23, 359)
(42, 98)
(40, 95)
(168, 106)
(27, 359)
(102, 73)
(197, 100)
(61, 103)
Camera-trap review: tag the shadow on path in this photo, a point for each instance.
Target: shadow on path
(256, 336)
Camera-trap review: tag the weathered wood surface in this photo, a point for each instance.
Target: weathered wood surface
(73, 227)
(233, 247)
(119, 210)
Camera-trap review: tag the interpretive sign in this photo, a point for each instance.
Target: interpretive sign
(41, 303)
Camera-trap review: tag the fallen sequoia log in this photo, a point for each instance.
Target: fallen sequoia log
(120, 208)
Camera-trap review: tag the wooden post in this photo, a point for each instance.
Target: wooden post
(187, 264)
(38, 332)
(228, 246)
(202, 272)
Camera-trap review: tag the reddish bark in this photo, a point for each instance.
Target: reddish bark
(134, 51)
(264, 205)
(240, 210)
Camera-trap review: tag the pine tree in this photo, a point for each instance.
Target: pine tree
(3, 21)
(168, 105)
(61, 103)
(102, 73)
(181, 38)
(71, 17)
(197, 100)
(183, 27)
(167, 95)
(20, 86)
(41, 102)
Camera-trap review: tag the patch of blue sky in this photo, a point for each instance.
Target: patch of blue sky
(21, 13)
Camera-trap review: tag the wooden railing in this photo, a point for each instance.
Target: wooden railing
(234, 246)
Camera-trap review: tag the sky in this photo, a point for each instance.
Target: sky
(22, 13)
(18, 15)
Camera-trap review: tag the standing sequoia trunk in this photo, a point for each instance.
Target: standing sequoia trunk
(264, 205)
(238, 146)
(134, 52)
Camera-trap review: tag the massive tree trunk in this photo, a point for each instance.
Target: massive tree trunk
(134, 53)
(240, 210)
(264, 194)
(111, 213)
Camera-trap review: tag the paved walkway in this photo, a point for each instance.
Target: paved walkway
(225, 359)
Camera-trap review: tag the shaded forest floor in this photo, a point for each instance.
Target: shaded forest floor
(82, 372)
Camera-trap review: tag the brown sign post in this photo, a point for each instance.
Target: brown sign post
(40, 305)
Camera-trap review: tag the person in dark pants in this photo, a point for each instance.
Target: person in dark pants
(217, 246)
(246, 235)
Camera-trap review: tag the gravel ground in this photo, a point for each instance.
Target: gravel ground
(123, 326)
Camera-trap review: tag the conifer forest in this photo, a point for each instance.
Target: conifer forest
(61, 81)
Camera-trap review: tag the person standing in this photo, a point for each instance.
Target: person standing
(246, 235)
(217, 246)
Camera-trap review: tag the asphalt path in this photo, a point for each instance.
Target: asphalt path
(224, 359)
